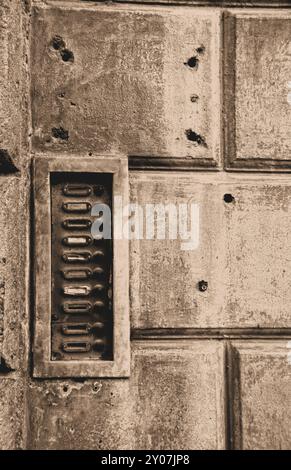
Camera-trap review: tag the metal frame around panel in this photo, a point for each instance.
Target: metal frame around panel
(43, 366)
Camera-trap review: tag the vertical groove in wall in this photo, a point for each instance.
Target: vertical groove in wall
(228, 398)
(233, 399)
(26, 333)
(234, 408)
(229, 85)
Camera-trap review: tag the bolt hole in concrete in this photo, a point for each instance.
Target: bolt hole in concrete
(192, 62)
(194, 137)
(200, 49)
(65, 388)
(96, 387)
(67, 56)
(58, 43)
(228, 198)
(60, 133)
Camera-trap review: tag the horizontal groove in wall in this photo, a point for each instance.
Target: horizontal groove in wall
(168, 163)
(185, 164)
(198, 3)
(211, 333)
(242, 4)
(259, 169)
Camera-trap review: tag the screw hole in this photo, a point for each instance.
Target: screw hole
(65, 388)
(228, 198)
(99, 190)
(200, 49)
(194, 98)
(96, 387)
(192, 62)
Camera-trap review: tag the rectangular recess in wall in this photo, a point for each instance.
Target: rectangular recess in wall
(81, 279)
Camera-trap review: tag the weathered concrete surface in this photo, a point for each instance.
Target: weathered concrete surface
(14, 207)
(173, 400)
(13, 268)
(13, 86)
(258, 69)
(96, 92)
(116, 79)
(13, 313)
(11, 412)
(262, 395)
(243, 254)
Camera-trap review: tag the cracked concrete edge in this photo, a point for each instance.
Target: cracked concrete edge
(14, 86)
(15, 205)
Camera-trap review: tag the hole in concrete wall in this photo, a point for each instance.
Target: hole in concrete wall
(194, 137)
(4, 367)
(96, 387)
(58, 43)
(194, 98)
(6, 163)
(228, 198)
(67, 55)
(200, 49)
(60, 133)
(192, 62)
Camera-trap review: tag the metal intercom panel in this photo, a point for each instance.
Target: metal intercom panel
(81, 268)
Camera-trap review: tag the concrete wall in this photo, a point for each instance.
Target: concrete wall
(198, 96)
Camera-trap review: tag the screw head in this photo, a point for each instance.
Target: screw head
(202, 286)
(99, 190)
